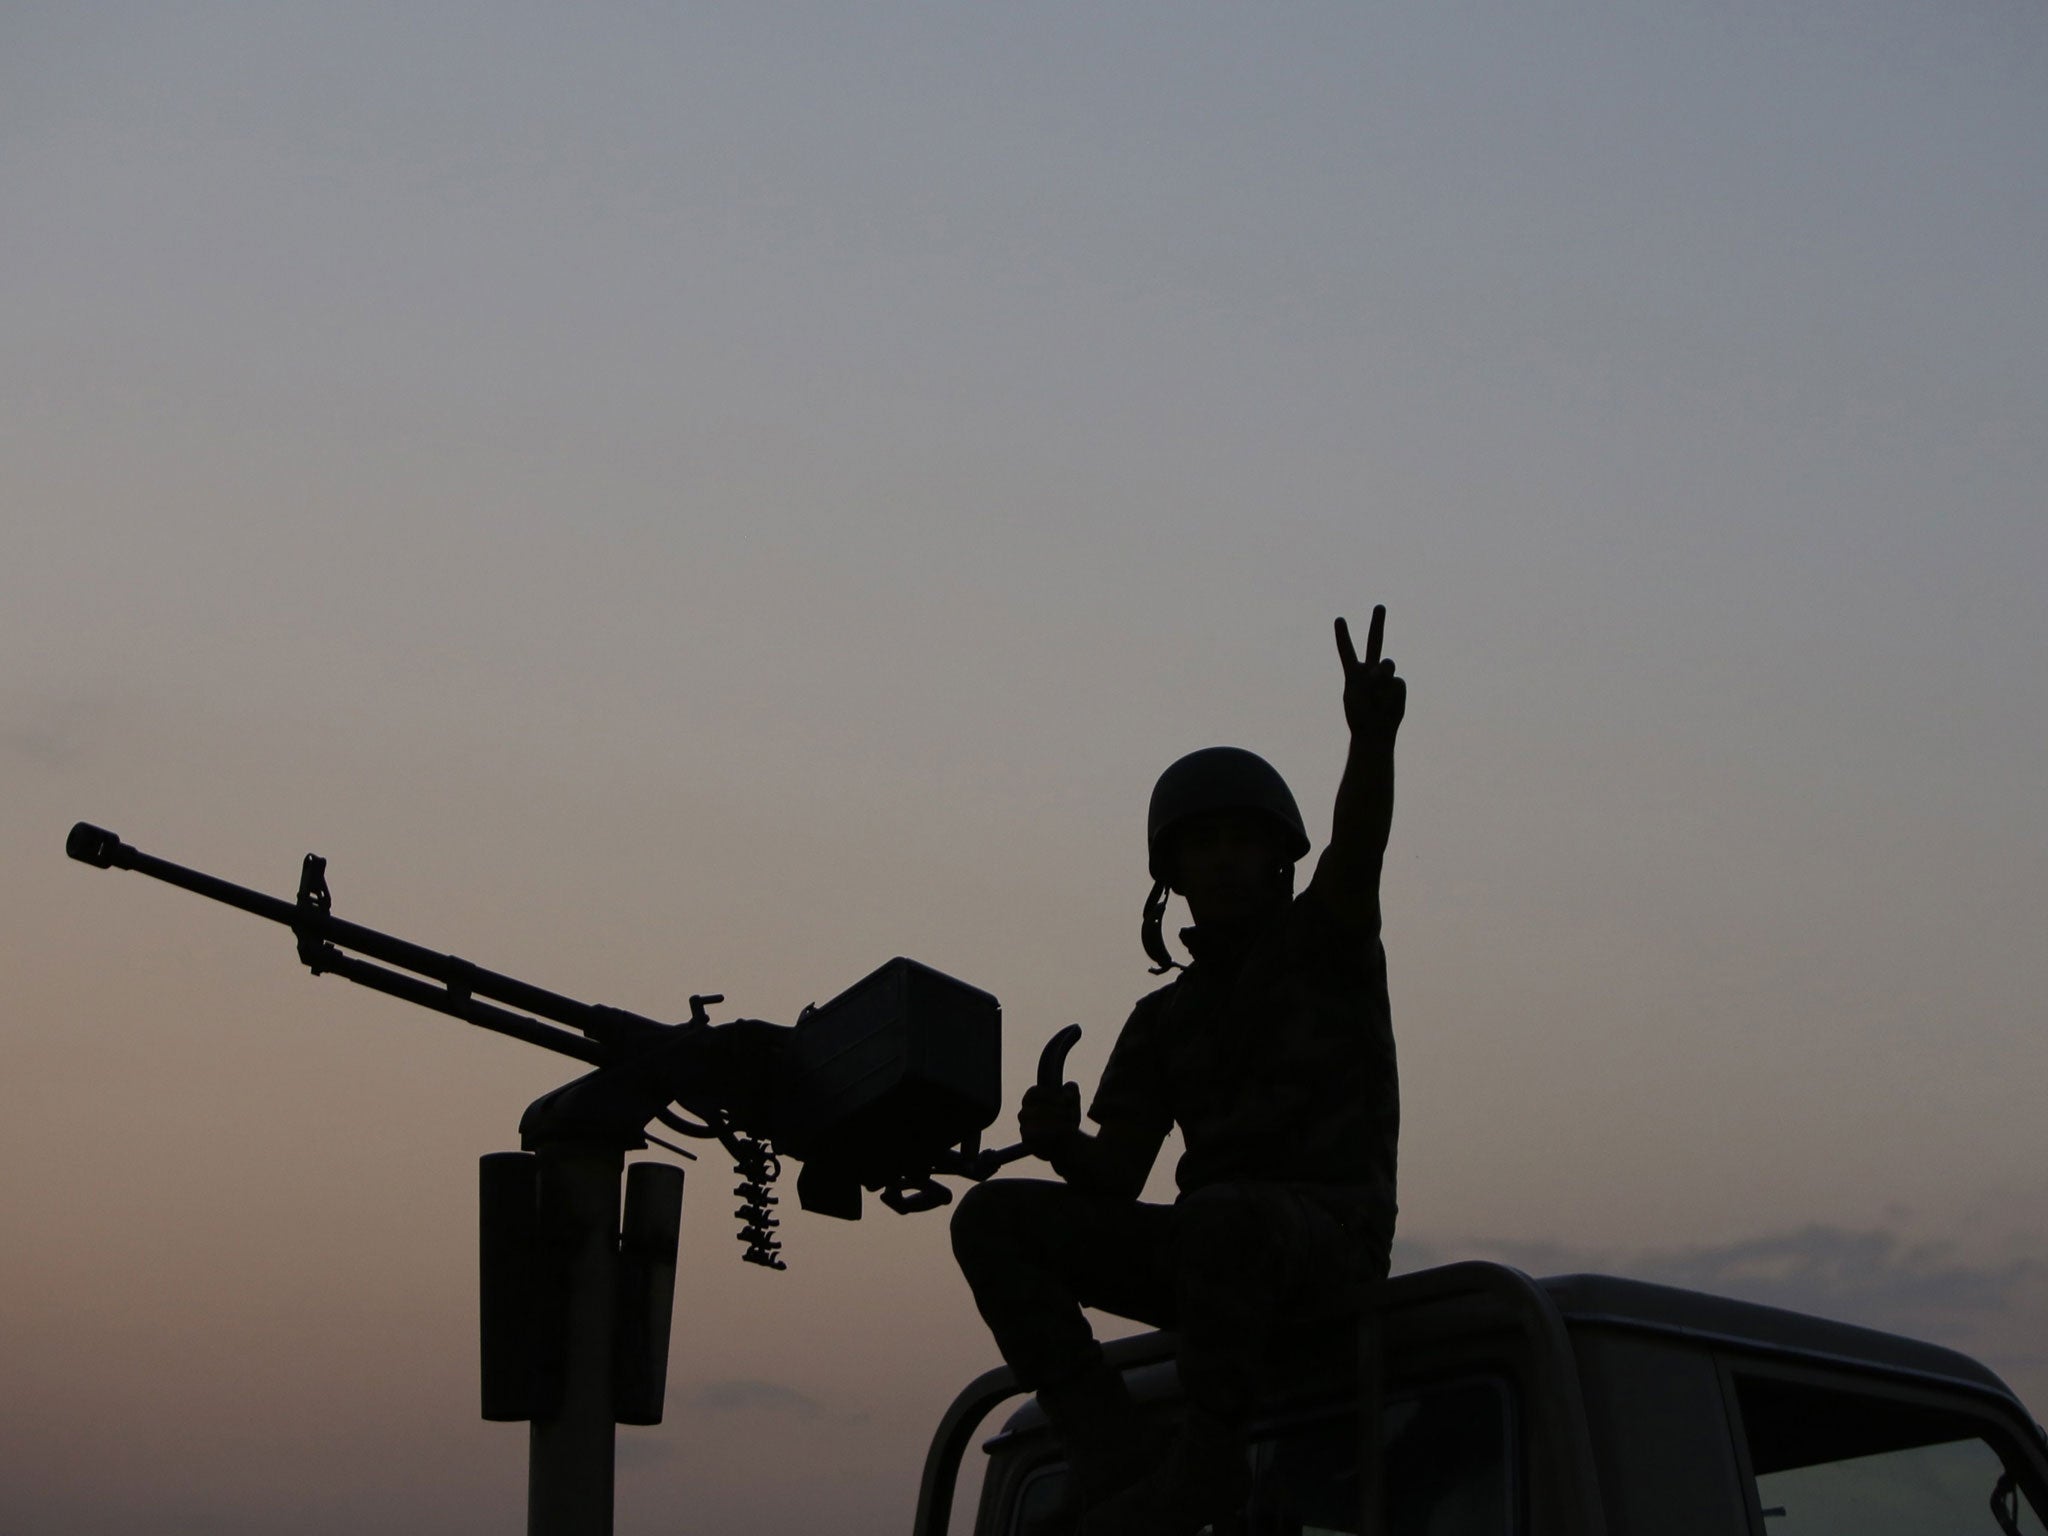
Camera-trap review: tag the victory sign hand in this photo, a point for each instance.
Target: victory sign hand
(1374, 698)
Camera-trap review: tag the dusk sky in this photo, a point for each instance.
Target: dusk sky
(699, 498)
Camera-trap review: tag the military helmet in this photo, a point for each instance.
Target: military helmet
(1221, 779)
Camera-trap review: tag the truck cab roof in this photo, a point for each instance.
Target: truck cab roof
(1587, 1301)
(1608, 1301)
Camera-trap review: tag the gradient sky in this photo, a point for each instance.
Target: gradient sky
(688, 498)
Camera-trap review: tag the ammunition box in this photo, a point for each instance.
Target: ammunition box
(890, 1073)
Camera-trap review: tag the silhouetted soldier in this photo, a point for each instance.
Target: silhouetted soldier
(1274, 1054)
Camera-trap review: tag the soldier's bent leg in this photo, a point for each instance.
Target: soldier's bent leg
(1229, 1244)
(1035, 1252)
(1244, 1255)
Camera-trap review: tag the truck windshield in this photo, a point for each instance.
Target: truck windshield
(1834, 1460)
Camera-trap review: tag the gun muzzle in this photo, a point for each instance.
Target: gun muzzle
(94, 845)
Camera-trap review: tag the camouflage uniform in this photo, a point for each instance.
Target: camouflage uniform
(1278, 1065)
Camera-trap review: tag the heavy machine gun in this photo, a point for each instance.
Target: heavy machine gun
(883, 1088)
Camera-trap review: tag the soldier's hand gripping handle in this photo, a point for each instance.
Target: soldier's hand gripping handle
(1050, 1117)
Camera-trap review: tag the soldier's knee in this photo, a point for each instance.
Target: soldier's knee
(977, 1214)
(971, 1221)
(988, 1218)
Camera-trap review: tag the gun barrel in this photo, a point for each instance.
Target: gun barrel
(103, 849)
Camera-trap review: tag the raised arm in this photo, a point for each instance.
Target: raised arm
(1347, 877)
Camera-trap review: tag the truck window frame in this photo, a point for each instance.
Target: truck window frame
(1997, 1420)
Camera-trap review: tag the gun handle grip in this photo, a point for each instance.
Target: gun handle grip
(1052, 1061)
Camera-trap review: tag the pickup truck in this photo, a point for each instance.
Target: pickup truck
(1580, 1405)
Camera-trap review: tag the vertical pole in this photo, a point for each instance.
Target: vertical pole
(569, 1446)
(1372, 1385)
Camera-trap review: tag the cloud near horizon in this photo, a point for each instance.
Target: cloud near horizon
(751, 1395)
(55, 730)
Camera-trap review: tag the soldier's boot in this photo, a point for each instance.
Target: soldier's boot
(1201, 1485)
(1108, 1447)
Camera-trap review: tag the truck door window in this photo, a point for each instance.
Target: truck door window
(1837, 1462)
(1449, 1470)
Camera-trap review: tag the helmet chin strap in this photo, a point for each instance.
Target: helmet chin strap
(1153, 933)
(1154, 938)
